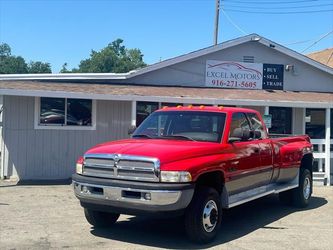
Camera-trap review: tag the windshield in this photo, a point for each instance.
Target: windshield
(183, 125)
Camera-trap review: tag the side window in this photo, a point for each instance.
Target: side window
(239, 123)
(257, 128)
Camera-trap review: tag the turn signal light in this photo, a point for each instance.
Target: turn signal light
(79, 166)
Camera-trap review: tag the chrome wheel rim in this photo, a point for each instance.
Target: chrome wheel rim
(306, 188)
(210, 216)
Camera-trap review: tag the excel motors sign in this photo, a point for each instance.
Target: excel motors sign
(225, 74)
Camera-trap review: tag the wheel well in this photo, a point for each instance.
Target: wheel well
(213, 179)
(307, 162)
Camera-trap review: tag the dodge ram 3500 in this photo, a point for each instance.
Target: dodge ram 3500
(194, 162)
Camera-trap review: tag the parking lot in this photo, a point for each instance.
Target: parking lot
(49, 216)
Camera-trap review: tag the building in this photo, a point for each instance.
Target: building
(324, 56)
(50, 120)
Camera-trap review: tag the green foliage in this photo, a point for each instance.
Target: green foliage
(113, 58)
(64, 69)
(10, 64)
(39, 67)
(5, 50)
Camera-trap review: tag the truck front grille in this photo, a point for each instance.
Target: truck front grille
(125, 167)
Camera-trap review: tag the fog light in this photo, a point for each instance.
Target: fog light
(147, 196)
(85, 189)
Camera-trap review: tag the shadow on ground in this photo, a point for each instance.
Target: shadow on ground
(170, 233)
(9, 183)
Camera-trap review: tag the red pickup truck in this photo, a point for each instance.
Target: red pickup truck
(194, 162)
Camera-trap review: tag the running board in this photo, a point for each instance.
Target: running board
(238, 199)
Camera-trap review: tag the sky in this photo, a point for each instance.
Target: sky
(59, 31)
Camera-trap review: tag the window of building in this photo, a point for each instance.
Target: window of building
(143, 110)
(64, 113)
(281, 120)
(170, 104)
(315, 123)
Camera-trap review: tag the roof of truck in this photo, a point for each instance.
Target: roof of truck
(207, 109)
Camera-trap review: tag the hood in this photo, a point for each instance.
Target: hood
(165, 150)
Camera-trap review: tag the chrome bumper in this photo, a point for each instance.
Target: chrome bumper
(140, 198)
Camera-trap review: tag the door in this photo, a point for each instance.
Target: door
(265, 172)
(243, 157)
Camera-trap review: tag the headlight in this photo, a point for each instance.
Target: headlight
(79, 168)
(175, 176)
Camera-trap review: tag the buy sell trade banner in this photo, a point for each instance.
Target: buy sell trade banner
(239, 75)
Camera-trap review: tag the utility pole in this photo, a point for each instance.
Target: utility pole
(217, 14)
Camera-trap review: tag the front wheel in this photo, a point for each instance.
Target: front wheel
(100, 219)
(203, 216)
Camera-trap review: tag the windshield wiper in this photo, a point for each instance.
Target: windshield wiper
(142, 136)
(178, 137)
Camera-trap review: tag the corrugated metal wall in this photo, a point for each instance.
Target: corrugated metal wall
(50, 153)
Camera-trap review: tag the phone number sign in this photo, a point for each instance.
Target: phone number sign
(226, 74)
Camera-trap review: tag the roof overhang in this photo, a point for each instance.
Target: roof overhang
(168, 94)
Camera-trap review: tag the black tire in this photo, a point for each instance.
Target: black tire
(100, 219)
(301, 197)
(209, 199)
(297, 196)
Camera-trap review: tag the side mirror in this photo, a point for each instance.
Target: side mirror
(131, 129)
(240, 134)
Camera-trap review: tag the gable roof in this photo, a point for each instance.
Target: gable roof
(323, 56)
(172, 61)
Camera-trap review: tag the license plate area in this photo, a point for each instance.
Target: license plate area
(131, 194)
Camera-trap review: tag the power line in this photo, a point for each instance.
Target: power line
(329, 58)
(280, 7)
(233, 23)
(298, 42)
(304, 41)
(271, 2)
(279, 12)
(317, 41)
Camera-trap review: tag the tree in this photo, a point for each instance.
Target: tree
(39, 67)
(113, 58)
(5, 50)
(10, 64)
